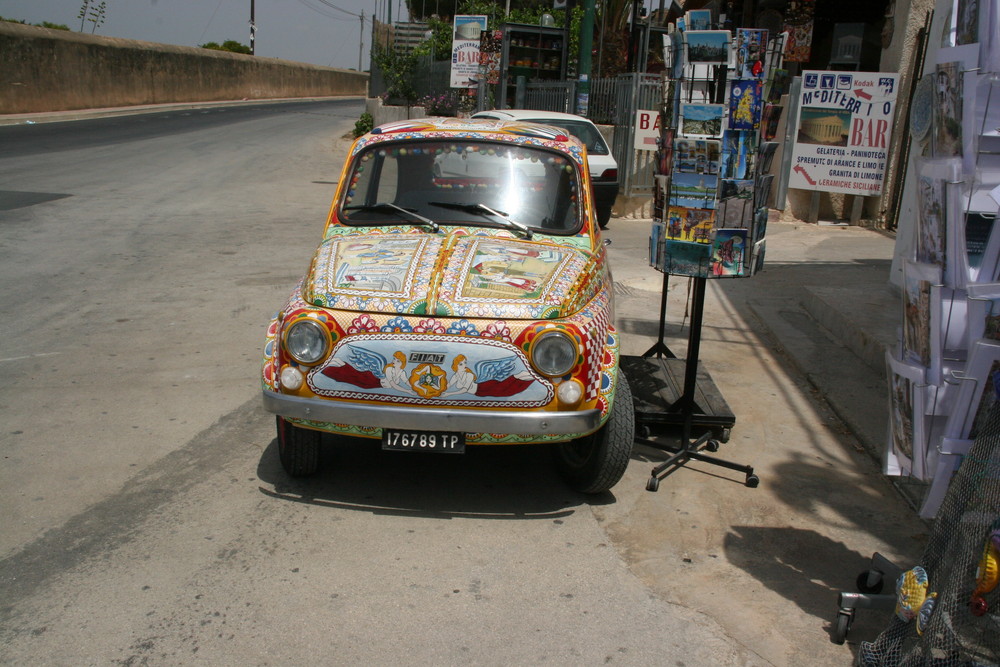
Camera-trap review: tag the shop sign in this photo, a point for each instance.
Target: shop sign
(844, 130)
(465, 49)
(647, 130)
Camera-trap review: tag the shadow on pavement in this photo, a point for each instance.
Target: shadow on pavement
(796, 563)
(502, 482)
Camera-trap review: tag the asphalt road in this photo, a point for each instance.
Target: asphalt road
(145, 516)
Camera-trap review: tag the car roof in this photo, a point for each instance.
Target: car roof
(521, 114)
(477, 129)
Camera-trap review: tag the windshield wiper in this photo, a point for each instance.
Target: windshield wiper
(475, 207)
(383, 206)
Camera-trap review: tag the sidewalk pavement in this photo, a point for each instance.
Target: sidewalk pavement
(797, 352)
(110, 112)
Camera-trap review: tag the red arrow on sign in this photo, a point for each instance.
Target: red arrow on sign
(861, 93)
(805, 175)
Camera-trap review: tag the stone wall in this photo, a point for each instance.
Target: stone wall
(58, 70)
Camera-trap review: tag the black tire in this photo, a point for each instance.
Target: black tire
(842, 626)
(595, 463)
(298, 448)
(863, 586)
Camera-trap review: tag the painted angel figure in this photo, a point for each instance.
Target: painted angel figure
(492, 377)
(368, 369)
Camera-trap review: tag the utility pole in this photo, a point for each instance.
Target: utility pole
(361, 38)
(253, 27)
(586, 46)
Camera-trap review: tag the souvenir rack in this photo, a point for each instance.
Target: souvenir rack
(709, 221)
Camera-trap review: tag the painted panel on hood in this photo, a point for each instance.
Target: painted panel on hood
(528, 280)
(374, 272)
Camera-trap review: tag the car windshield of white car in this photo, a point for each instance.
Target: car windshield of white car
(585, 132)
(467, 182)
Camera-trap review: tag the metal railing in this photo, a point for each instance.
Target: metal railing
(545, 95)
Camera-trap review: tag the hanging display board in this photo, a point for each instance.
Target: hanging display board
(844, 126)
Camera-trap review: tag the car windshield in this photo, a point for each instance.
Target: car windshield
(463, 182)
(585, 132)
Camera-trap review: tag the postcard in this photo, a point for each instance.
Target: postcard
(770, 121)
(762, 192)
(947, 110)
(780, 82)
(690, 224)
(696, 156)
(932, 205)
(702, 120)
(693, 190)
(687, 259)
(656, 245)
(706, 46)
(736, 188)
(760, 223)
(745, 102)
(751, 47)
(904, 452)
(917, 281)
(758, 256)
(698, 19)
(739, 149)
(728, 250)
(734, 213)
(765, 156)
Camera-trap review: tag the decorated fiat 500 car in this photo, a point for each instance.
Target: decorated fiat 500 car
(460, 296)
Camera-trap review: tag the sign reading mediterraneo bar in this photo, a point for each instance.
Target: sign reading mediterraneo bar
(844, 130)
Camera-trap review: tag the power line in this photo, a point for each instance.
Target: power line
(339, 9)
(210, 21)
(324, 12)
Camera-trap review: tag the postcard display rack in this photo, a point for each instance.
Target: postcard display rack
(709, 220)
(945, 373)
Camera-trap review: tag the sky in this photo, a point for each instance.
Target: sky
(320, 32)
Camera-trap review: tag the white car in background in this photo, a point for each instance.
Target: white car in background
(603, 167)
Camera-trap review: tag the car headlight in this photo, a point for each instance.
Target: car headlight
(554, 354)
(307, 341)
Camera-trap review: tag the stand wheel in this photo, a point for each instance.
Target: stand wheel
(752, 481)
(866, 588)
(724, 435)
(712, 446)
(653, 484)
(842, 626)
(643, 431)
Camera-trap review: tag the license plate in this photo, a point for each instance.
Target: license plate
(423, 441)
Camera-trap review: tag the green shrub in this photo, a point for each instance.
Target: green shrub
(363, 124)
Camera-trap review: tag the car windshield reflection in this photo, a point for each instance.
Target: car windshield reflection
(521, 188)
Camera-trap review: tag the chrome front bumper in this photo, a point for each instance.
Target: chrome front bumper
(525, 422)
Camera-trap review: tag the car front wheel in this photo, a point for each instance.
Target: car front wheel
(596, 462)
(298, 448)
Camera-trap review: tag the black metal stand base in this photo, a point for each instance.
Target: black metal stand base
(661, 399)
(692, 451)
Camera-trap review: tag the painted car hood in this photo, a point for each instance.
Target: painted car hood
(451, 276)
